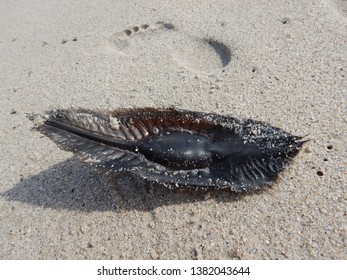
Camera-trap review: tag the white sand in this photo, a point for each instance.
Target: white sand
(287, 67)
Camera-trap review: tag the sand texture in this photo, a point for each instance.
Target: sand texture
(282, 62)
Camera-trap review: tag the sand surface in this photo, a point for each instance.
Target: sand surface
(283, 62)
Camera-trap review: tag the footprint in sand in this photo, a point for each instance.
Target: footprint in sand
(337, 6)
(164, 40)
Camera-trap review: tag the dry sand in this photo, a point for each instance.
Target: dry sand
(283, 62)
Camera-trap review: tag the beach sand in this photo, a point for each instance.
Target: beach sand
(282, 62)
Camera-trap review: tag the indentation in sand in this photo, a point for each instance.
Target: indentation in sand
(338, 6)
(162, 39)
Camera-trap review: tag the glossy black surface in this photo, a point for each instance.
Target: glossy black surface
(175, 147)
